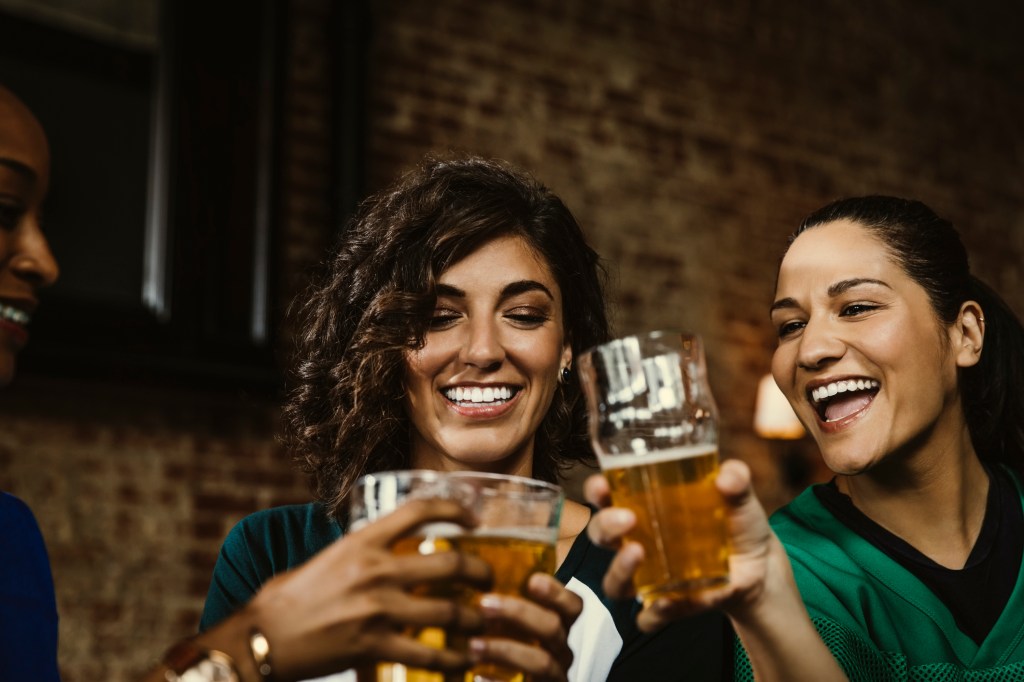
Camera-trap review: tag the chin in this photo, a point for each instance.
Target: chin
(847, 465)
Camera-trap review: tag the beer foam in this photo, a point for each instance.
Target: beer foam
(635, 459)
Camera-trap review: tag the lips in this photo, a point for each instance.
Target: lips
(839, 401)
(14, 315)
(481, 401)
(13, 321)
(475, 395)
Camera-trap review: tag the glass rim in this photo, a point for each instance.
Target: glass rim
(401, 474)
(536, 485)
(654, 335)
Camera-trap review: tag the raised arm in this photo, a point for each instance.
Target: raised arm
(761, 599)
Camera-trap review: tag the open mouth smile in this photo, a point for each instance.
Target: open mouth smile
(18, 316)
(471, 396)
(840, 400)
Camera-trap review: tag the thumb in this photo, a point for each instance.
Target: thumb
(748, 522)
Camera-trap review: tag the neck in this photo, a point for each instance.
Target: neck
(934, 499)
(518, 463)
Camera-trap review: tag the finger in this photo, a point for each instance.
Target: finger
(596, 491)
(412, 570)
(618, 580)
(529, 621)
(399, 648)
(663, 611)
(405, 610)
(734, 482)
(608, 526)
(748, 522)
(537, 663)
(547, 591)
(410, 516)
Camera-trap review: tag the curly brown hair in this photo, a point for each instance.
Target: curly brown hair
(345, 413)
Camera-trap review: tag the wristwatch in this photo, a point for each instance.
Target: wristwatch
(186, 662)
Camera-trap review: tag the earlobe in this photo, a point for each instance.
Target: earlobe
(970, 326)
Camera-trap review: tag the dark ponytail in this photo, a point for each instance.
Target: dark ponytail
(992, 391)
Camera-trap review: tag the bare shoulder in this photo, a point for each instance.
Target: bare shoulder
(575, 518)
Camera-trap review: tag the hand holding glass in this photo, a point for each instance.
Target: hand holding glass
(654, 426)
(516, 533)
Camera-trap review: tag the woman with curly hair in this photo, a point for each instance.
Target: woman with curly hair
(442, 336)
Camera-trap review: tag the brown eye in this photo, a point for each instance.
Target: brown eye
(442, 319)
(527, 317)
(788, 328)
(855, 309)
(9, 216)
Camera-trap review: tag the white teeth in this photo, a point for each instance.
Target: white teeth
(476, 394)
(822, 392)
(13, 314)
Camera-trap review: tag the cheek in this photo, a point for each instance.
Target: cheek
(783, 364)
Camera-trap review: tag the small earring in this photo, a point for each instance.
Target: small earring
(566, 375)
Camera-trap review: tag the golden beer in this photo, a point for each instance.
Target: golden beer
(680, 518)
(513, 557)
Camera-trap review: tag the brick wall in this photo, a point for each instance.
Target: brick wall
(689, 137)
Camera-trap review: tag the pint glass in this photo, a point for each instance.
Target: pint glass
(654, 426)
(376, 495)
(516, 533)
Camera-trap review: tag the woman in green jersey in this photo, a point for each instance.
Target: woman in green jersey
(906, 370)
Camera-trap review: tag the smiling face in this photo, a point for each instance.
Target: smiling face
(862, 357)
(26, 263)
(478, 389)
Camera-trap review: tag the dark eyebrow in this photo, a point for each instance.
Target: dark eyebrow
(833, 291)
(18, 167)
(847, 284)
(508, 291)
(523, 286)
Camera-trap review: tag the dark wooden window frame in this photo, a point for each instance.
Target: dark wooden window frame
(204, 311)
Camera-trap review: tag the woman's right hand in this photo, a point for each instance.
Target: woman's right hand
(353, 603)
(761, 599)
(752, 540)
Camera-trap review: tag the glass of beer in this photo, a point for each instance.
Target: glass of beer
(654, 426)
(516, 533)
(377, 495)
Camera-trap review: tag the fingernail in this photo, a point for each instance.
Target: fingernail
(491, 603)
(660, 605)
(539, 586)
(477, 647)
(620, 517)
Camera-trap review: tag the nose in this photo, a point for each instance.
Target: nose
(32, 259)
(482, 347)
(819, 345)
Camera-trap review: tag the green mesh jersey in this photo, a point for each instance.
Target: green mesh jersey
(881, 622)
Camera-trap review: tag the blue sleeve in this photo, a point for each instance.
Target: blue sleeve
(28, 607)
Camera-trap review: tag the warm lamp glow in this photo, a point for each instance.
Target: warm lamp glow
(773, 417)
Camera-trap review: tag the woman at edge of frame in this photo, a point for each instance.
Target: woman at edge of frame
(28, 605)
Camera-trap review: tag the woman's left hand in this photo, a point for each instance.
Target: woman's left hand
(544, 618)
